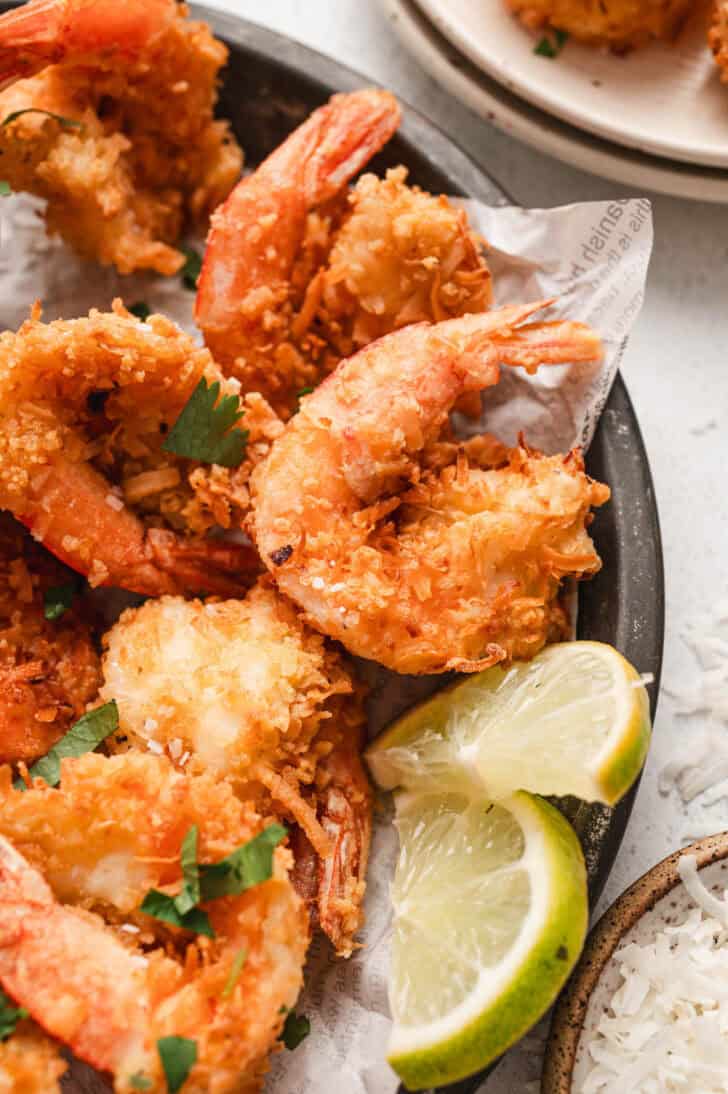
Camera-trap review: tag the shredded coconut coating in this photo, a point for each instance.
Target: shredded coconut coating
(621, 24)
(718, 36)
(150, 159)
(30, 1063)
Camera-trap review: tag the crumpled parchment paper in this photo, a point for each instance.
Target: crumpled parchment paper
(594, 258)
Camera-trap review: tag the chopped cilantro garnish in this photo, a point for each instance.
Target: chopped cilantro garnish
(65, 123)
(296, 1028)
(86, 735)
(57, 600)
(138, 1081)
(141, 310)
(190, 272)
(205, 431)
(300, 394)
(10, 1015)
(5, 188)
(177, 1054)
(248, 866)
(551, 45)
(234, 975)
(245, 867)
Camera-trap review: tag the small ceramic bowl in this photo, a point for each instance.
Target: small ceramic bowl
(655, 901)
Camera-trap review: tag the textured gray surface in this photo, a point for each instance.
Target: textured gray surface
(675, 371)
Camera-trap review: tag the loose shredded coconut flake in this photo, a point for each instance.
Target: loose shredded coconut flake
(114, 503)
(666, 1027)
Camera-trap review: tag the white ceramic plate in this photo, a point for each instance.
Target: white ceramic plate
(499, 106)
(666, 99)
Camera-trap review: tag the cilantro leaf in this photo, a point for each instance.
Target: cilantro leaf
(248, 866)
(57, 600)
(140, 310)
(234, 975)
(162, 906)
(138, 1081)
(177, 1054)
(5, 188)
(190, 894)
(86, 735)
(10, 1015)
(205, 432)
(551, 46)
(296, 1028)
(65, 123)
(190, 272)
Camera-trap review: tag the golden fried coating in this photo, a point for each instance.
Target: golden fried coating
(621, 24)
(718, 36)
(85, 406)
(108, 979)
(147, 160)
(243, 688)
(30, 1063)
(49, 670)
(459, 571)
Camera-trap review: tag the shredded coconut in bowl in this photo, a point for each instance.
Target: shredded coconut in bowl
(666, 1027)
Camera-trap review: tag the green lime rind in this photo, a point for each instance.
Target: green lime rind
(538, 979)
(622, 766)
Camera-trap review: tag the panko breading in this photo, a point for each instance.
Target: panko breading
(49, 670)
(718, 36)
(30, 1063)
(621, 24)
(299, 273)
(85, 406)
(109, 980)
(460, 571)
(147, 160)
(243, 689)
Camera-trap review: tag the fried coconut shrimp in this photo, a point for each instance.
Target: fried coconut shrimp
(299, 273)
(423, 571)
(133, 154)
(88, 402)
(242, 688)
(718, 36)
(109, 980)
(49, 670)
(621, 24)
(30, 1063)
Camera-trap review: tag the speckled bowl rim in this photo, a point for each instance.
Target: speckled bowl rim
(621, 917)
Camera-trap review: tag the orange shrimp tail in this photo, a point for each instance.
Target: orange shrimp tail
(213, 566)
(45, 32)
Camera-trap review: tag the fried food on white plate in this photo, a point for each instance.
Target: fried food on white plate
(423, 571)
(49, 669)
(85, 407)
(718, 36)
(134, 155)
(30, 1062)
(621, 24)
(109, 980)
(299, 272)
(243, 689)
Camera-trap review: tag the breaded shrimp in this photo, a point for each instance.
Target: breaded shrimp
(30, 1063)
(143, 157)
(298, 273)
(107, 979)
(49, 670)
(718, 36)
(621, 24)
(88, 402)
(422, 572)
(243, 689)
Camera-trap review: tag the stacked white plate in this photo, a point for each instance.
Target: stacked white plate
(656, 117)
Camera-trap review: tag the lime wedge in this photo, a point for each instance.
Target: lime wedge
(574, 720)
(490, 915)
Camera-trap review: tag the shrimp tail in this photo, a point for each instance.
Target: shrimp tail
(45, 32)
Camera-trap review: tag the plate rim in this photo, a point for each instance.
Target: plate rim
(488, 99)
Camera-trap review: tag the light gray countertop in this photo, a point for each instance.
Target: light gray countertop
(676, 369)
